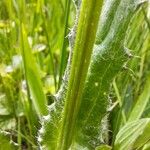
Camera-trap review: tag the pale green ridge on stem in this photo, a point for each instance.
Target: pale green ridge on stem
(86, 32)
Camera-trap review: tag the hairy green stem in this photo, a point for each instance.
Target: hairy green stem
(88, 22)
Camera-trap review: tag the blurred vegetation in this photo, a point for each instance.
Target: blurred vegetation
(33, 36)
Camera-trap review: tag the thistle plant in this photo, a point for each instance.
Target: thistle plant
(99, 98)
(77, 120)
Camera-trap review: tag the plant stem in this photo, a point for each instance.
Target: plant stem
(86, 32)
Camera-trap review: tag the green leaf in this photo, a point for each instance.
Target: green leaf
(107, 60)
(103, 147)
(5, 143)
(142, 101)
(133, 135)
(106, 19)
(33, 76)
(146, 146)
(84, 111)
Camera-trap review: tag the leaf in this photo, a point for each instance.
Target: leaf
(142, 101)
(133, 135)
(109, 56)
(103, 147)
(109, 10)
(146, 146)
(33, 76)
(107, 60)
(5, 143)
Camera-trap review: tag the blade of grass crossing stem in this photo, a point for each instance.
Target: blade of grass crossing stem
(32, 76)
(63, 50)
(86, 33)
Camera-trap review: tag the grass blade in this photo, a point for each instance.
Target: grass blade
(133, 135)
(142, 101)
(33, 76)
(63, 50)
